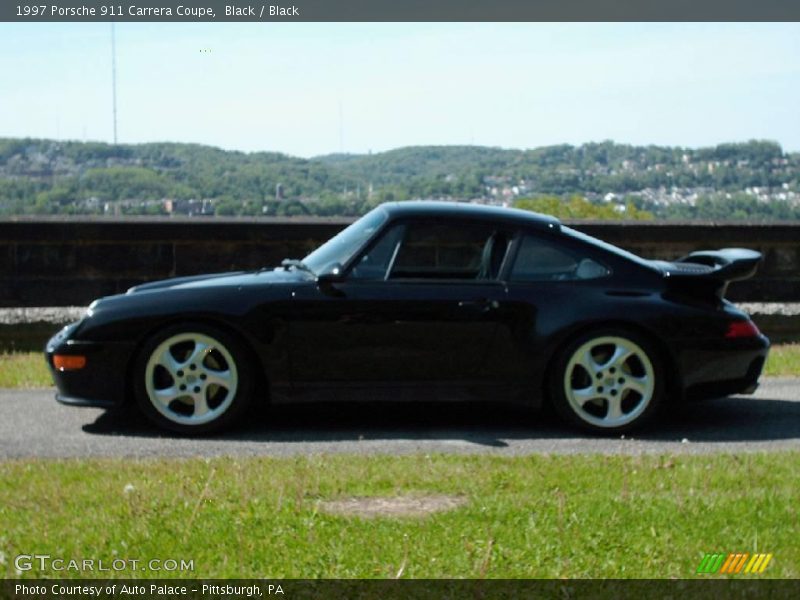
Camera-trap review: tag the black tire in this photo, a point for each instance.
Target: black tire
(603, 396)
(197, 396)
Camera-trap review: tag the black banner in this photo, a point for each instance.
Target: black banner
(399, 10)
(490, 589)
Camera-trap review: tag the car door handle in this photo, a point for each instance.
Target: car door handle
(483, 305)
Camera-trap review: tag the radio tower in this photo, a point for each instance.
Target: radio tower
(114, 79)
(341, 128)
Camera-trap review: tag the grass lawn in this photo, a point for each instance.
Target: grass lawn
(784, 359)
(23, 370)
(533, 516)
(26, 370)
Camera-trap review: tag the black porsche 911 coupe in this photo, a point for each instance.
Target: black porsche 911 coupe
(424, 300)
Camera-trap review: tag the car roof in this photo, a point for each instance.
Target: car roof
(428, 208)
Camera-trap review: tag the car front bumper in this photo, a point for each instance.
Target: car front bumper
(101, 382)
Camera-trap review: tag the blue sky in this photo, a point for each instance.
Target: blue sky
(308, 89)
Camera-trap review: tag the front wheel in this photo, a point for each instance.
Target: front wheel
(608, 381)
(192, 379)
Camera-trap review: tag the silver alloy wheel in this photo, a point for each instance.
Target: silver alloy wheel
(609, 381)
(191, 378)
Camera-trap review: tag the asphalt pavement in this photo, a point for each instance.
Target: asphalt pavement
(32, 424)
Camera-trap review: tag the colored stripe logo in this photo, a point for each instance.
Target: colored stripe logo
(734, 563)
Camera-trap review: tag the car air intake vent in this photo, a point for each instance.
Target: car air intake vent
(688, 268)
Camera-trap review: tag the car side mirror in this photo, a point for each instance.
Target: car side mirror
(333, 275)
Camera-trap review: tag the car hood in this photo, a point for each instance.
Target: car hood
(229, 279)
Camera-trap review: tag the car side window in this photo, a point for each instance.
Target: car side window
(540, 259)
(452, 250)
(374, 263)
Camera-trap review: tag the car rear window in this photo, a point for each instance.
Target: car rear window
(540, 259)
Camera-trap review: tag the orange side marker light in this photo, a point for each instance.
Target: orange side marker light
(69, 362)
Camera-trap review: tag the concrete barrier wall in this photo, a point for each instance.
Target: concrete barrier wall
(70, 261)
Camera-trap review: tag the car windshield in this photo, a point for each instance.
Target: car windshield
(341, 248)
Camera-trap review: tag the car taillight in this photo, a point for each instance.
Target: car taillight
(740, 329)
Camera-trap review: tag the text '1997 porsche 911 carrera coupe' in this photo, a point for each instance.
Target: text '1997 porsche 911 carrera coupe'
(424, 300)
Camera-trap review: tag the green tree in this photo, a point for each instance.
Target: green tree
(577, 207)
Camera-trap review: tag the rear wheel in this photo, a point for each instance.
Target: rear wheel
(608, 381)
(193, 379)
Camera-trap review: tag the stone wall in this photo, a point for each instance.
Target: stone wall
(70, 261)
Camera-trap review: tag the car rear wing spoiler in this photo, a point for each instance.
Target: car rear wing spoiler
(722, 267)
(728, 264)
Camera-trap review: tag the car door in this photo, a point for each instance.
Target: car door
(419, 305)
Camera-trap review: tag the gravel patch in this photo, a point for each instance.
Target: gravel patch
(396, 506)
(41, 314)
(786, 309)
(67, 314)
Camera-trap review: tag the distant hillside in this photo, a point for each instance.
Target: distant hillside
(45, 176)
(599, 168)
